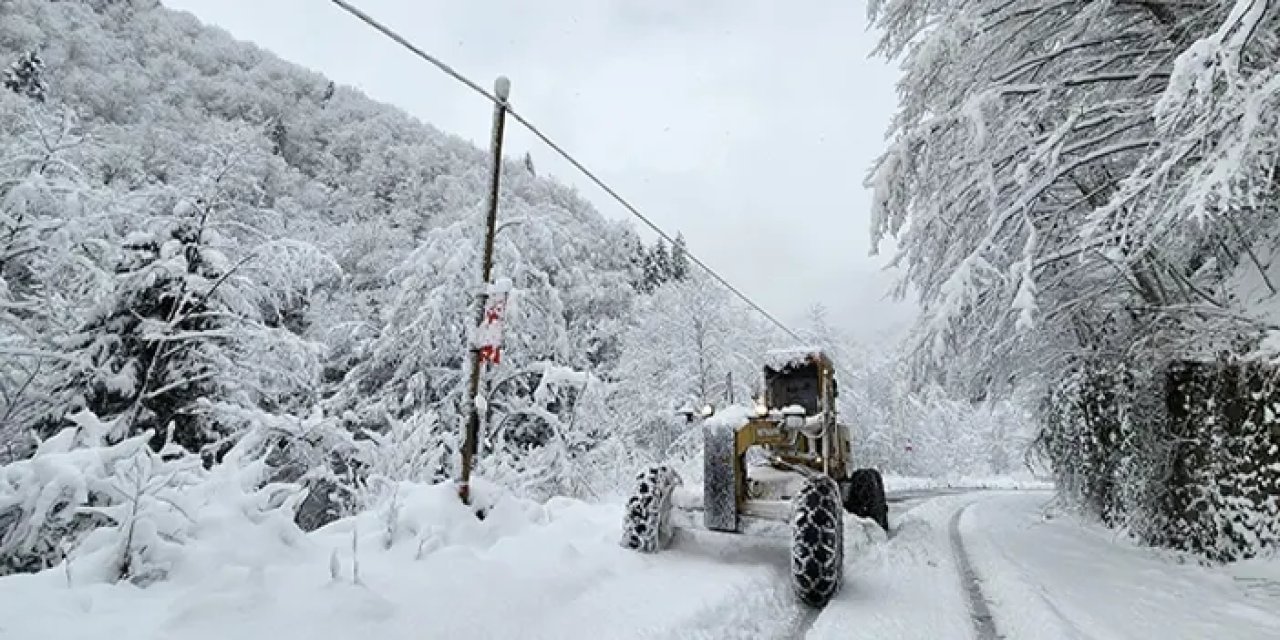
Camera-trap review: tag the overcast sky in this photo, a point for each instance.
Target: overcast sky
(748, 125)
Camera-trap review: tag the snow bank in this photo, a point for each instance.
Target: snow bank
(421, 519)
(247, 576)
(421, 565)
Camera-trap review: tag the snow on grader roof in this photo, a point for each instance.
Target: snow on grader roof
(778, 359)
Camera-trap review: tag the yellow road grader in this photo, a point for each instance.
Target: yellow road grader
(785, 460)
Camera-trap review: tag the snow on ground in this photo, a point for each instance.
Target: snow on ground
(555, 570)
(894, 483)
(525, 571)
(1258, 576)
(1057, 578)
(908, 587)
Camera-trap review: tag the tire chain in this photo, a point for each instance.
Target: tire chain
(649, 508)
(817, 548)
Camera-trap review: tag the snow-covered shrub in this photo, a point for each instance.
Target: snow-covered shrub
(1189, 459)
(1222, 481)
(417, 449)
(312, 451)
(146, 500)
(123, 511)
(1087, 420)
(43, 498)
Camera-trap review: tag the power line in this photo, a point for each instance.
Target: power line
(386, 31)
(649, 223)
(390, 33)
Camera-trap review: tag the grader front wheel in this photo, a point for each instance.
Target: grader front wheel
(817, 541)
(646, 525)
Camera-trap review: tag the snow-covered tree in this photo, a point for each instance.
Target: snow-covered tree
(679, 269)
(570, 294)
(1072, 187)
(48, 251)
(25, 77)
(689, 342)
(1006, 183)
(158, 345)
(657, 267)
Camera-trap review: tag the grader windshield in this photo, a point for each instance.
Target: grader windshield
(795, 383)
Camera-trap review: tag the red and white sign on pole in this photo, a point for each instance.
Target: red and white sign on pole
(488, 336)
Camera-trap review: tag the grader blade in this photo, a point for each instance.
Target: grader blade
(720, 478)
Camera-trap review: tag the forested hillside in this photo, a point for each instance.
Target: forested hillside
(1087, 199)
(222, 275)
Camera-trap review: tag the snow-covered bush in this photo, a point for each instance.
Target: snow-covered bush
(1220, 494)
(116, 509)
(312, 451)
(43, 499)
(1188, 459)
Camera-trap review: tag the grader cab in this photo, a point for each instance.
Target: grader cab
(784, 460)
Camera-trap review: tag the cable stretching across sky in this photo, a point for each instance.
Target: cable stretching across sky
(388, 32)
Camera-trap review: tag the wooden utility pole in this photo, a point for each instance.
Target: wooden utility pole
(502, 90)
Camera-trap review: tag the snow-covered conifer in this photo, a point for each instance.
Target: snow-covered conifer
(25, 77)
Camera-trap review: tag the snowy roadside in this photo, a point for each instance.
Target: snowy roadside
(528, 570)
(428, 569)
(1060, 578)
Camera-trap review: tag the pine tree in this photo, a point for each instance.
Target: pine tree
(679, 259)
(638, 265)
(25, 77)
(278, 134)
(157, 346)
(657, 267)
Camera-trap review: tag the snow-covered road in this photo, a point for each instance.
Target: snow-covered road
(1053, 578)
(556, 571)
(1037, 576)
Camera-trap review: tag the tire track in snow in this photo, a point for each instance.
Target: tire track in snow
(911, 499)
(797, 619)
(983, 624)
(768, 602)
(1069, 628)
(803, 623)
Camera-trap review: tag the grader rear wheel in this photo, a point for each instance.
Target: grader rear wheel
(864, 497)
